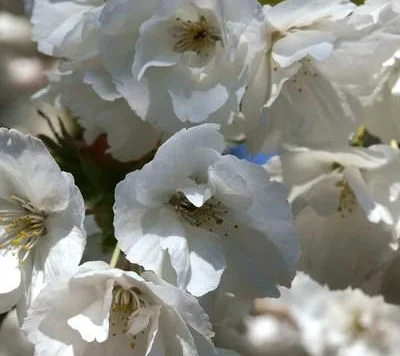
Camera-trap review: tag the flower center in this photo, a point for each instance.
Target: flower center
(347, 199)
(211, 211)
(126, 307)
(23, 225)
(126, 301)
(358, 326)
(198, 37)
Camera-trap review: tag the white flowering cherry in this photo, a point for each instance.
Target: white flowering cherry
(192, 212)
(106, 311)
(347, 212)
(41, 220)
(189, 60)
(345, 323)
(288, 98)
(367, 177)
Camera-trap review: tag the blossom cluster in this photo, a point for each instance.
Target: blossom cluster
(162, 92)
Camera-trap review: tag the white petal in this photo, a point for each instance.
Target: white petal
(32, 170)
(92, 322)
(309, 111)
(123, 128)
(197, 194)
(342, 249)
(66, 28)
(375, 212)
(298, 45)
(195, 101)
(178, 253)
(276, 226)
(187, 306)
(10, 286)
(298, 13)
(207, 261)
(154, 47)
(45, 325)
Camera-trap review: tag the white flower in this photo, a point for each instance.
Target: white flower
(237, 326)
(128, 136)
(101, 310)
(186, 59)
(191, 58)
(367, 177)
(342, 323)
(346, 206)
(191, 211)
(309, 319)
(41, 220)
(300, 103)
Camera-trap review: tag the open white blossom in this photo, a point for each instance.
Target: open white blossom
(128, 137)
(236, 328)
(346, 210)
(191, 59)
(105, 311)
(294, 100)
(192, 212)
(41, 220)
(342, 323)
(368, 177)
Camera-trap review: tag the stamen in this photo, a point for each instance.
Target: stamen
(126, 300)
(198, 37)
(347, 199)
(23, 226)
(125, 308)
(357, 326)
(211, 211)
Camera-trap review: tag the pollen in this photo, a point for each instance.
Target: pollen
(347, 199)
(357, 327)
(199, 37)
(126, 306)
(212, 211)
(23, 225)
(125, 301)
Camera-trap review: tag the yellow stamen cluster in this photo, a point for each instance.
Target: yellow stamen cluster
(199, 37)
(23, 225)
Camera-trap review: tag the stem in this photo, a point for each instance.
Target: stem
(115, 256)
